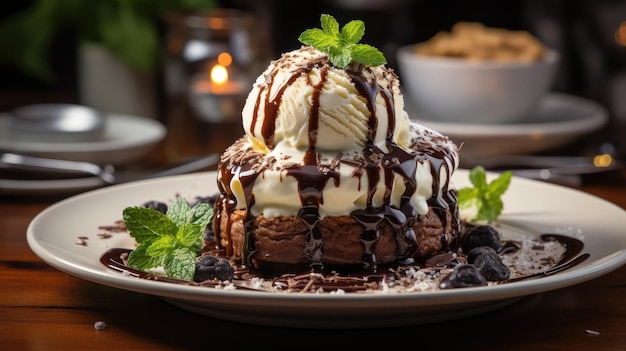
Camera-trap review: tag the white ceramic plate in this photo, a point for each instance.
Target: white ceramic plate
(531, 207)
(48, 187)
(559, 120)
(126, 138)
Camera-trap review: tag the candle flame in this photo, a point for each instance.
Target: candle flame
(219, 74)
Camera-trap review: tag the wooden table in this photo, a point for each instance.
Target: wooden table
(42, 308)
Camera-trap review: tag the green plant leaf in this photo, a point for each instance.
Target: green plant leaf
(180, 264)
(330, 26)
(499, 185)
(367, 53)
(317, 38)
(467, 197)
(171, 240)
(478, 177)
(352, 32)
(27, 37)
(187, 235)
(342, 46)
(161, 246)
(132, 38)
(201, 214)
(486, 197)
(139, 259)
(147, 224)
(179, 211)
(127, 28)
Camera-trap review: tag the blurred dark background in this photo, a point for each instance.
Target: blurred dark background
(587, 33)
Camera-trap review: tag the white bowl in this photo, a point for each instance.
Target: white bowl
(462, 91)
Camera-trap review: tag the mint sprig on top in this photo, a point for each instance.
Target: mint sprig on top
(171, 241)
(342, 46)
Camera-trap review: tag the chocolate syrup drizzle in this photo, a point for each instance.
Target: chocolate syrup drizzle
(312, 178)
(355, 281)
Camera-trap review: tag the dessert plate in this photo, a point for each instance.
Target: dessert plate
(559, 120)
(126, 138)
(53, 234)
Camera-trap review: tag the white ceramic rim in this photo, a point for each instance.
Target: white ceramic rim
(121, 132)
(595, 116)
(406, 54)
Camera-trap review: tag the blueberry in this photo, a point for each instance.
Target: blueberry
(156, 205)
(205, 268)
(463, 276)
(211, 267)
(491, 267)
(477, 251)
(204, 199)
(223, 270)
(484, 235)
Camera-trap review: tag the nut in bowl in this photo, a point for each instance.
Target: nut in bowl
(476, 74)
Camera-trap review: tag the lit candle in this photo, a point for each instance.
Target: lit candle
(218, 83)
(216, 95)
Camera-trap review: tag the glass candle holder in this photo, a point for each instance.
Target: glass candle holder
(212, 60)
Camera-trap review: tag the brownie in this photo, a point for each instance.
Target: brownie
(279, 244)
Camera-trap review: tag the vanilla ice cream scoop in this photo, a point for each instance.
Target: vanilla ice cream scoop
(302, 101)
(308, 121)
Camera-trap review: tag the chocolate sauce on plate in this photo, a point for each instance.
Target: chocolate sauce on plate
(350, 281)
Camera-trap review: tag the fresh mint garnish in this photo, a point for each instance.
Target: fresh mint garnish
(342, 46)
(485, 196)
(172, 240)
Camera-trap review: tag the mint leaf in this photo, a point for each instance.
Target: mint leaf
(181, 264)
(145, 224)
(367, 53)
(478, 177)
(188, 234)
(330, 25)
(171, 240)
(139, 259)
(201, 214)
(499, 185)
(340, 57)
(342, 46)
(490, 209)
(178, 211)
(352, 32)
(483, 195)
(161, 246)
(467, 197)
(317, 38)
